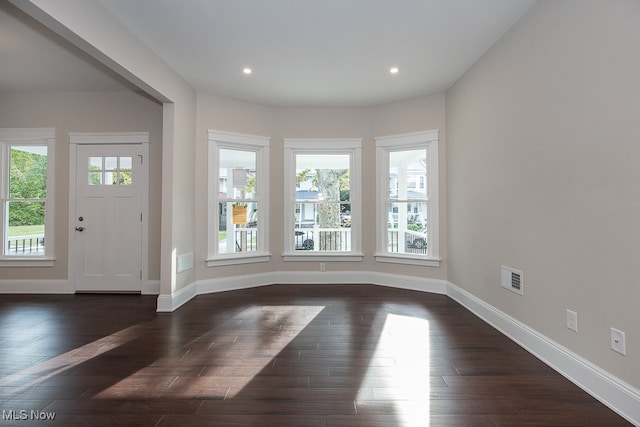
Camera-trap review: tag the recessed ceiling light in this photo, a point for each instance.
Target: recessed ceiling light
(394, 70)
(247, 70)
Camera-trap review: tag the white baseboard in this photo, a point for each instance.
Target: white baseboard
(35, 287)
(611, 391)
(223, 284)
(316, 277)
(152, 287)
(169, 303)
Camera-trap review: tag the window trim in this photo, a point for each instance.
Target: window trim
(234, 141)
(351, 146)
(29, 136)
(384, 145)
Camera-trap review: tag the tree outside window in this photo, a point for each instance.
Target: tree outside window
(26, 201)
(326, 179)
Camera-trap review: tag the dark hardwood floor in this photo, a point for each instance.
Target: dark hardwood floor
(325, 355)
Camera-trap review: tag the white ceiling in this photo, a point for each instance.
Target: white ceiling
(302, 52)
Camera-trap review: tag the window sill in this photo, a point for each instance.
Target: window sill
(237, 259)
(13, 261)
(322, 256)
(408, 259)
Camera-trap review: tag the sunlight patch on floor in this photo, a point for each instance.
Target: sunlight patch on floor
(405, 391)
(18, 382)
(264, 330)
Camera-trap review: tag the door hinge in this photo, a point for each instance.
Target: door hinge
(141, 158)
(140, 217)
(140, 274)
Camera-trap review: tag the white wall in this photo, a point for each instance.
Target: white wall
(543, 173)
(86, 112)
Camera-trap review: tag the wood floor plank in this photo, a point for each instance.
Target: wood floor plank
(216, 420)
(277, 407)
(409, 421)
(281, 355)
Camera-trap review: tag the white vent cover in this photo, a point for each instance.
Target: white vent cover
(513, 280)
(184, 262)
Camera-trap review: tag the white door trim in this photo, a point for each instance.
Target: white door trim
(114, 138)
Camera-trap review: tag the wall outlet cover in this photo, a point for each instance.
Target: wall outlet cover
(572, 320)
(618, 341)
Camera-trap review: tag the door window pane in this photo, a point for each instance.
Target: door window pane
(95, 170)
(111, 170)
(110, 163)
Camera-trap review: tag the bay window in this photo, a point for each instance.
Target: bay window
(407, 198)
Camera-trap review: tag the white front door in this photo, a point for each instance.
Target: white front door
(107, 236)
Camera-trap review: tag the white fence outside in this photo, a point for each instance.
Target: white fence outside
(25, 245)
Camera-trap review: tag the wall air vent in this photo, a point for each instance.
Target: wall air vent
(513, 280)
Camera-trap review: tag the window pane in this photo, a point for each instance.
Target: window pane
(110, 163)
(407, 227)
(237, 174)
(109, 173)
(95, 163)
(125, 177)
(125, 163)
(117, 170)
(110, 178)
(237, 227)
(408, 174)
(95, 170)
(309, 235)
(28, 172)
(26, 228)
(322, 182)
(95, 178)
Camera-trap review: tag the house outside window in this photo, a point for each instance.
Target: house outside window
(26, 196)
(238, 198)
(322, 199)
(407, 198)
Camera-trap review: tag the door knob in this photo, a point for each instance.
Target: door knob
(79, 228)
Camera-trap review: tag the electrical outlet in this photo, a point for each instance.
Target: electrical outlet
(572, 320)
(618, 342)
(323, 267)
